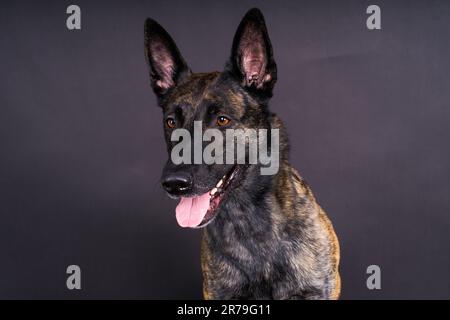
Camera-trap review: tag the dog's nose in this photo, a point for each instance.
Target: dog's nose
(177, 184)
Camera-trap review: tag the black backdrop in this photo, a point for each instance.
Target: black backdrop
(81, 141)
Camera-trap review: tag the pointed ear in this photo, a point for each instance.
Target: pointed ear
(251, 55)
(167, 66)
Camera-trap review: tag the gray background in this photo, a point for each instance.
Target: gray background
(82, 147)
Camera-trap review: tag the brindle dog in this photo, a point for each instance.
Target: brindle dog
(264, 236)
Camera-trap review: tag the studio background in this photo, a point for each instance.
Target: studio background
(82, 143)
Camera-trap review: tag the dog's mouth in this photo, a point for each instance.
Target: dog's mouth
(199, 211)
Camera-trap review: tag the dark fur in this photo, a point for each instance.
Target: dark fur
(270, 238)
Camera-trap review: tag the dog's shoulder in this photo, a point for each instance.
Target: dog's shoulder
(310, 211)
(303, 189)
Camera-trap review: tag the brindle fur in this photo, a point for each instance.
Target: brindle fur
(270, 238)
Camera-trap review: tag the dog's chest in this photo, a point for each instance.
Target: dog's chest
(253, 257)
(247, 249)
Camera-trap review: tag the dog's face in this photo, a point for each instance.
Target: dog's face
(233, 99)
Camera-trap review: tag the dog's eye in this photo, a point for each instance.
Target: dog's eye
(222, 121)
(170, 123)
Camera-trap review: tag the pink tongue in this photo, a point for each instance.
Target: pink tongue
(191, 211)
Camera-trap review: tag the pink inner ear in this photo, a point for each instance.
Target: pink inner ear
(253, 57)
(163, 64)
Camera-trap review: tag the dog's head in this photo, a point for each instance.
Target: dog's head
(235, 98)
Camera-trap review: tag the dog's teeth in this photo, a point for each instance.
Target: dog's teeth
(219, 183)
(213, 191)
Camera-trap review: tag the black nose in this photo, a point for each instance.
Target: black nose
(177, 183)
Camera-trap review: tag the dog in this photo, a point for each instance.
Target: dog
(264, 236)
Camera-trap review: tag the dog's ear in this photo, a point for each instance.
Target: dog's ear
(167, 66)
(251, 55)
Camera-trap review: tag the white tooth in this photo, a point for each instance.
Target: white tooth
(213, 191)
(219, 183)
